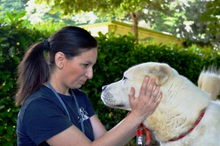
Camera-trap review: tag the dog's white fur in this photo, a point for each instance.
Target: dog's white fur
(178, 110)
(209, 81)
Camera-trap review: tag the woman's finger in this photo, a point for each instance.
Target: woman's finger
(144, 86)
(131, 94)
(155, 93)
(150, 88)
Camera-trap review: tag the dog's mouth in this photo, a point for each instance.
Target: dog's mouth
(108, 100)
(114, 105)
(119, 105)
(122, 106)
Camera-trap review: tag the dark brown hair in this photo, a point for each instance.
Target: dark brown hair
(33, 70)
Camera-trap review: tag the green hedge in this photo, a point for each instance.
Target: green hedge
(14, 42)
(116, 54)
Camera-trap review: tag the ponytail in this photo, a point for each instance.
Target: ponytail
(33, 71)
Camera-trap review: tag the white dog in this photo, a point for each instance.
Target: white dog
(186, 115)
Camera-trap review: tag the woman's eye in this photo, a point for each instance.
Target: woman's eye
(85, 65)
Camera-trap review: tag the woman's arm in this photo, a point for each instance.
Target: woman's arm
(142, 107)
(98, 128)
(118, 136)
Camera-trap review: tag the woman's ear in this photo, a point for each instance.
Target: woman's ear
(59, 59)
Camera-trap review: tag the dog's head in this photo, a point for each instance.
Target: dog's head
(180, 97)
(115, 95)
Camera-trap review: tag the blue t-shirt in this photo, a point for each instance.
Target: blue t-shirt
(42, 116)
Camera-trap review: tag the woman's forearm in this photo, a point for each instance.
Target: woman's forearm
(121, 134)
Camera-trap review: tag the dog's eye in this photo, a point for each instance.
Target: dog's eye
(124, 78)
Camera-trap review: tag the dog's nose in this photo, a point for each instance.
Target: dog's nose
(104, 87)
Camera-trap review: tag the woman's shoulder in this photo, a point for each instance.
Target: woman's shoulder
(39, 102)
(42, 95)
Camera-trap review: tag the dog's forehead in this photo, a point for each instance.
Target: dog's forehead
(137, 69)
(142, 66)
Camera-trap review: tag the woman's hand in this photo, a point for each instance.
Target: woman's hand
(147, 101)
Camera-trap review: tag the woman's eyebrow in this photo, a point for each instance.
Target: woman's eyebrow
(90, 62)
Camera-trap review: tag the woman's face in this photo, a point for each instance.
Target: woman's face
(75, 72)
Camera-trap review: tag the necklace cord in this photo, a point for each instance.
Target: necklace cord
(65, 108)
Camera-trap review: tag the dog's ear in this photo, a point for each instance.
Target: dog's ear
(160, 72)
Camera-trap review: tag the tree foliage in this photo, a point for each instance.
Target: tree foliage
(106, 6)
(112, 8)
(212, 17)
(197, 21)
(194, 25)
(12, 5)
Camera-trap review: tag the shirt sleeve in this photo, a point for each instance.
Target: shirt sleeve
(43, 119)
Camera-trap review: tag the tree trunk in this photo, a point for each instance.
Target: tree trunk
(134, 25)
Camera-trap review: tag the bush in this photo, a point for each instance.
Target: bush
(14, 42)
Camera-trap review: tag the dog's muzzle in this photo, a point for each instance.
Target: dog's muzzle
(108, 98)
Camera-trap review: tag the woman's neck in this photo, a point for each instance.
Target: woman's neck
(59, 87)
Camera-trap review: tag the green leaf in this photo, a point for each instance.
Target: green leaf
(9, 15)
(2, 107)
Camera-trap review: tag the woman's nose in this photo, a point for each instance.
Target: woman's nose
(89, 74)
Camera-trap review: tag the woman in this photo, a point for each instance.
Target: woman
(55, 111)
